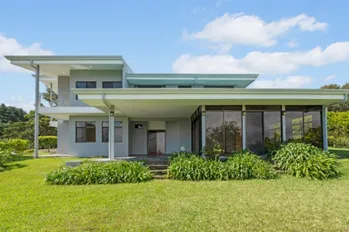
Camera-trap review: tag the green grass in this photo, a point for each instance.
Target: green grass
(284, 204)
(341, 152)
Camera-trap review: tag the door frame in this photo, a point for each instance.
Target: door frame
(148, 153)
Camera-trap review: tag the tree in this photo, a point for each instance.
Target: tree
(9, 114)
(331, 86)
(46, 97)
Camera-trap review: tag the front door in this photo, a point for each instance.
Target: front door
(156, 142)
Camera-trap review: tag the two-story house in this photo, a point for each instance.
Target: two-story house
(155, 113)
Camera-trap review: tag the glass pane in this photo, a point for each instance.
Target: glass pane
(90, 124)
(272, 129)
(90, 134)
(313, 128)
(80, 135)
(91, 85)
(214, 129)
(294, 125)
(105, 124)
(254, 132)
(118, 134)
(118, 124)
(80, 124)
(105, 134)
(232, 127)
(80, 84)
(107, 84)
(117, 84)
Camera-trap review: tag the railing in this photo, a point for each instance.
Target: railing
(61, 99)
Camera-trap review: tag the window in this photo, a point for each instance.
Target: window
(303, 123)
(111, 84)
(150, 86)
(85, 132)
(219, 86)
(85, 85)
(223, 126)
(184, 86)
(117, 132)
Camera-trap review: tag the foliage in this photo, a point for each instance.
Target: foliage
(305, 160)
(47, 98)
(47, 142)
(16, 145)
(9, 114)
(6, 156)
(338, 129)
(100, 173)
(25, 130)
(182, 154)
(214, 151)
(241, 166)
(272, 145)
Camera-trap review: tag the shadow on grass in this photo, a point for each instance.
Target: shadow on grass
(9, 167)
(341, 153)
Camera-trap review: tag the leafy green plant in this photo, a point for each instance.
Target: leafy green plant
(47, 142)
(213, 152)
(182, 154)
(305, 160)
(240, 166)
(16, 145)
(7, 156)
(100, 173)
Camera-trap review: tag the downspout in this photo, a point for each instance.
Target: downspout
(37, 103)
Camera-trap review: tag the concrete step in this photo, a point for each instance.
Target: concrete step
(159, 172)
(157, 166)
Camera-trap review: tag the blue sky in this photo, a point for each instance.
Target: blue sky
(296, 44)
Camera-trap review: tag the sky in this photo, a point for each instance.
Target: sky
(290, 44)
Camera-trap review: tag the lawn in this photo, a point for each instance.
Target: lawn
(284, 204)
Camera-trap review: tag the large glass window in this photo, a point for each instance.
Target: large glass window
(196, 131)
(263, 127)
(223, 127)
(117, 131)
(85, 132)
(111, 84)
(303, 123)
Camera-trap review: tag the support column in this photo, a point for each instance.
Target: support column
(111, 133)
(283, 123)
(324, 127)
(203, 128)
(244, 146)
(36, 115)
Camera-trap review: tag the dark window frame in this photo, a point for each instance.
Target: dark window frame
(86, 126)
(117, 124)
(114, 84)
(87, 86)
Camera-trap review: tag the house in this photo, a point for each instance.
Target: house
(156, 113)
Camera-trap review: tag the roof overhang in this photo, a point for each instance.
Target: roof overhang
(61, 65)
(174, 102)
(236, 80)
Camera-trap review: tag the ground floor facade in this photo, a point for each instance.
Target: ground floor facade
(232, 127)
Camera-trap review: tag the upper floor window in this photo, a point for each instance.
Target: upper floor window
(85, 85)
(111, 84)
(117, 131)
(184, 86)
(150, 86)
(219, 86)
(85, 132)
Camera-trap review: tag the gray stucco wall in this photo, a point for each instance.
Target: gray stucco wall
(178, 133)
(62, 137)
(138, 138)
(97, 148)
(63, 90)
(91, 75)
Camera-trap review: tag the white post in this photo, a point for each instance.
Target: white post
(324, 127)
(244, 146)
(51, 94)
(111, 133)
(203, 128)
(36, 115)
(283, 123)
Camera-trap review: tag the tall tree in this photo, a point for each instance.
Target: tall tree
(10, 114)
(342, 106)
(331, 86)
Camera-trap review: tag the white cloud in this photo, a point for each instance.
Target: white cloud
(330, 77)
(19, 102)
(251, 30)
(292, 44)
(10, 46)
(270, 63)
(286, 82)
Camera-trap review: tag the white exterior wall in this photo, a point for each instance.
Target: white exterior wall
(62, 137)
(63, 90)
(92, 75)
(138, 138)
(97, 148)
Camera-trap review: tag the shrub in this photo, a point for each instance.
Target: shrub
(182, 154)
(47, 142)
(240, 166)
(16, 145)
(305, 160)
(100, 173)
(246, 165)
(7, 156)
